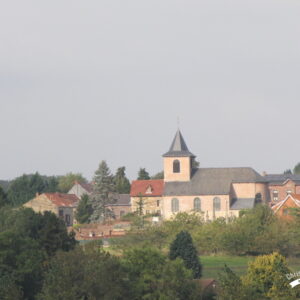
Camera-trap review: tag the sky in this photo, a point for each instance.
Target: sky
(85, 81)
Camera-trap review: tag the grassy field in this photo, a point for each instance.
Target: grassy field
(212, 265)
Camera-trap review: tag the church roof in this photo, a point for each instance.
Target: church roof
(212, 181)
(178, 147)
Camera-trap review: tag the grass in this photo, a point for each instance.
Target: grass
(213, 265)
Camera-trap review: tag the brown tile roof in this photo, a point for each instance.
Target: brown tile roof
(59, 199)
(140, 187)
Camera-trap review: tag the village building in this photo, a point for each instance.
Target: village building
(79, 189)
(62, 205)
(216, 192)
(283, 208)
(119, 206)
(281, 185)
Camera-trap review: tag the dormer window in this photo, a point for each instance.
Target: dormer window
(176, 166)
(149, 190)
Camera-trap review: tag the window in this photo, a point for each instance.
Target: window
(285, 211)
(176, 166)
(175, 205)
(157, 203)
(275, 195)
(258, 198)
(288, 192)
(158, 212)
(217, 204)
(122, 213)
(68, 220)
(197, 204)
(61, 213)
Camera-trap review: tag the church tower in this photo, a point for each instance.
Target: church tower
(178, 160)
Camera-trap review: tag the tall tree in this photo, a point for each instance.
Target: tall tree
(297, 169)
(103, 191)
(184, 248)
(121, 181)
(143, 174)
(3, 197)
(67, 181)
(24, 188)
(84, 210)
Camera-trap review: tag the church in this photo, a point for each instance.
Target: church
(215, 192)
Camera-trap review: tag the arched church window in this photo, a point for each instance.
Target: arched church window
(176, 166)
(217, 204)
(197, 204)
(175, 205)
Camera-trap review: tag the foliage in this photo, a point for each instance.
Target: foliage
(296, 169)
(84, 210)
(66, 182)
(25, 187)
(3, 197)
(159, 175)
(184, 248)
(27, 240)
(288, 171)
(143, 174)
(85, 274)
(102, 195)
(121, 181)
(154, 277)
(266, 274)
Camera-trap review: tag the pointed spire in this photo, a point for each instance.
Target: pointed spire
(178, 147)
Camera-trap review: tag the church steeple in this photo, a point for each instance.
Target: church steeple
(178, 147)
(178, 160)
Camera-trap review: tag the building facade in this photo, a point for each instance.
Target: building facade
(215, 192)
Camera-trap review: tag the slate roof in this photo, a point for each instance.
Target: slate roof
(87, 186)
(140, 187)
(178, 147)
(121, 200)
(212, 181)
(243, 203)
(279, 179)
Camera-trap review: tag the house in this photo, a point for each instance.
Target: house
(216, 192)
(121, 205)
(79, 189)
(281, 185)
(63, 205)
(147, 195)
(283, 207)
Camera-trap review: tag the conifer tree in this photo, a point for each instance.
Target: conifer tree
(121, 181)
(184, 248)
(84, 209)
(143, 174)
(103, 193)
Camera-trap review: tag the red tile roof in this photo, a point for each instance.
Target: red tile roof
(140, 187)
(66, 200)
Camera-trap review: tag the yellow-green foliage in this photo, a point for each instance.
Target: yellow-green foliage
(266, 274)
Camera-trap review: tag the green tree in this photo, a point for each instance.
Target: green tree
(84, 210)
(184, 248)
(267, 275)
(159, 175)
(143, 174)
(296, 169)
(288, 171)
(121, 181)
(153, 276)
(85, 274)
(66, 182)
(25, 187)
(3, 197)
(103, 191)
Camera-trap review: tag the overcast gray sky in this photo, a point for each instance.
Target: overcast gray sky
(82, 81)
